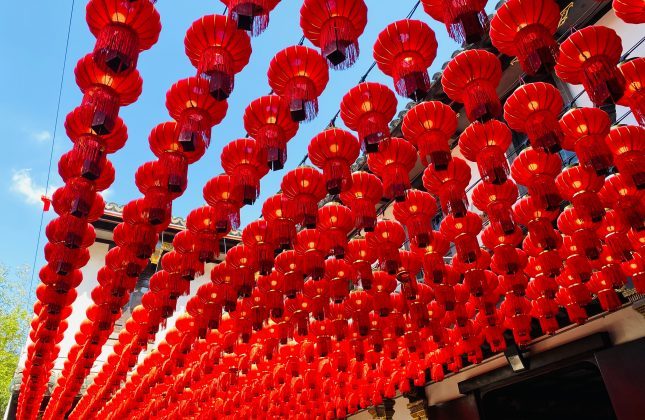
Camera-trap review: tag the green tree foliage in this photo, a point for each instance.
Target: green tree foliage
(14, 320)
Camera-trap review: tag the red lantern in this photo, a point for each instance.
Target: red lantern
(289, 264)
(580, 186)
(416, 213)
(299, 74)
(525, 29)
(629, 11)
(601, 285)
(257, 237)
(536, 170)
(268, 121)
(341, 276)
(122, 30)
(404, 50)
(486, 144)
(386, 239)
(539, 223)
(582, 231)
(614, 234)
(251, 15)
(533, 109)
(517, 310)
(189, 103)
(104, 94)
(634, 96)
(305, 186)
(471, 78)
(432, 257)
(590, 57)
(621, 194)
(627, 143)
(280, 212)
(218, 51)
(367, 109)
(584, 132)
(466, 21)
(360, 255)
(334, 151)
(202, 221)
(222, 195)
(245, 162)
(393, 163)
(449, 186)
(429, 126)
(335, 222)
(243, 263)
(312, 247)
(362, 198)
(334, 27)
(71, 232)
(463, 232)
(159, 188)
(496, 201)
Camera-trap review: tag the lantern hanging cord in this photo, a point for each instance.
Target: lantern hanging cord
(51, 151)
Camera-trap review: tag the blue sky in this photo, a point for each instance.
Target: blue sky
(32, 41)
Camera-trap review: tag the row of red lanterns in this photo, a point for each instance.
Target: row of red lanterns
(218, 50)
(108, 80)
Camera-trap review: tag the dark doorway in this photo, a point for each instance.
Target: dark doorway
(574, 392)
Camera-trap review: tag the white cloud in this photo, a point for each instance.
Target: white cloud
(23, 184)
(41, 136)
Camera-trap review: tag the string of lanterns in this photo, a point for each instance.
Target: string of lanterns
(316, 329)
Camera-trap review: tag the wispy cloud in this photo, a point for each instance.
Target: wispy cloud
(24, 185)
(41, 136)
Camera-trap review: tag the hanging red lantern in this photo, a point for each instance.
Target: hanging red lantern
(367, 108)
(122, 30)
(582, 232)
(257, 237)
(393, 163)
(341, 276)
(466, 21)
(580, 186)
(533, 109)
(463, 232)
(358, 306)
(243, 263)
(629, 11)
(289, 264)
(404, 50)
(450, 186)
(70, 231)
(299, 74)
(621, 194)
(222, 195)
(202, 222)
(218, 51)
(189, 103)
(584, 133)
(362, 198)
(222, 277)
(471, 78)
(280, 212)
(526, 29)
(614, 234)
(104, 94)
(360, 255)
(268, 120)
(334, 151)
(159, 188)
(496, 201)
(539, 223)
(334, 27)
(486, 144)
(429, 126)
(536, 170)
(517, 310)
(633, 71)
(590, 57)
(386, 239)
(91, 145)
(312, 247)
(627, 143)
(306, 187)
(251, 15)
(245, 163)
(416, 213)
(432, 257)
(603, 287)
(335, 222)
